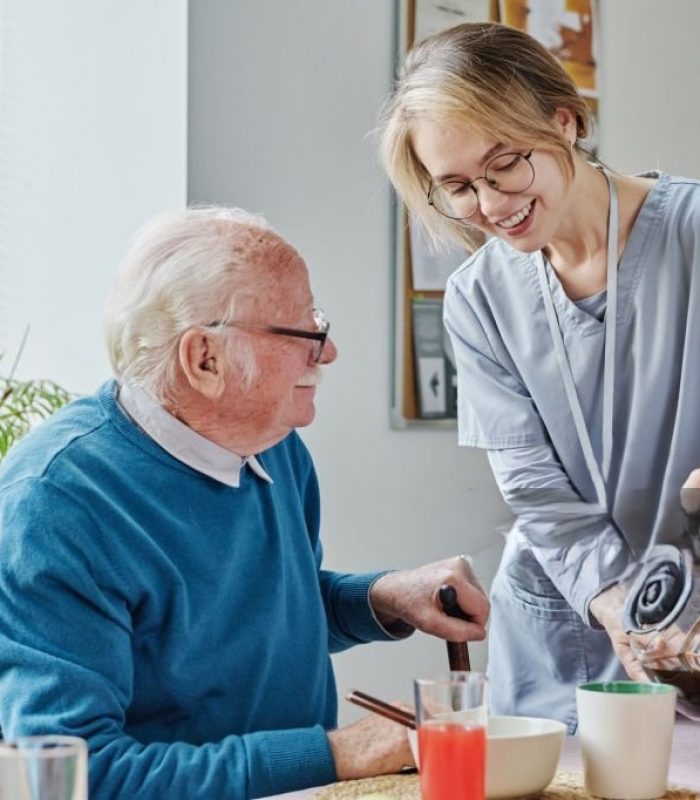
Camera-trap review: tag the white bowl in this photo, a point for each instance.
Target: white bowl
(521, 755)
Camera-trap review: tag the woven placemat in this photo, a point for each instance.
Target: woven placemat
(398, 787)
(569, 786)
(565, 786)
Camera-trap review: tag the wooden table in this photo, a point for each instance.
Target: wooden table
(685, 760)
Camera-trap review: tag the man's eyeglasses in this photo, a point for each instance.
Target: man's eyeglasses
(509, 173)
(318, 336)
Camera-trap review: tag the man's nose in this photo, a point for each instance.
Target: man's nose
(329, 352)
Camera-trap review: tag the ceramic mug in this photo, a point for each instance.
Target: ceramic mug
(626, 730)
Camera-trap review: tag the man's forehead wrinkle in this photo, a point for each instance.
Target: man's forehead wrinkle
(277, 282)
(260, 247)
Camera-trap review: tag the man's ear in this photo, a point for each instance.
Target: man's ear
(202, 362)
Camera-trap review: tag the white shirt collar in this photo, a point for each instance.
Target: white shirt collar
(182, 442)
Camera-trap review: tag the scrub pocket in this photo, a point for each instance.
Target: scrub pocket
(539, 649)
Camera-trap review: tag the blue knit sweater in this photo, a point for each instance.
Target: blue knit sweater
(183, 627)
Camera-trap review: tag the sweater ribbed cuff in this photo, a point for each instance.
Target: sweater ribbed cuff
(289, 760)
(353, 596)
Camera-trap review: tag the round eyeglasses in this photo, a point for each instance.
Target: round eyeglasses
(508, 173)
(318, 336)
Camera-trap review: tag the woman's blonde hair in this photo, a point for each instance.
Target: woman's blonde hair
(497, 81)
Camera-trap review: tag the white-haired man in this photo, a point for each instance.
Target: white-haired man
(162, 593)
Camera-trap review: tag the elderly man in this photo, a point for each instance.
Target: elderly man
(162, 592)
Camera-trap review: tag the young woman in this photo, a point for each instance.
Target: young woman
(576, 329)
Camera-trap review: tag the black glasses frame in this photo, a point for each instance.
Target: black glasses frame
(319, 337)
(490, 182)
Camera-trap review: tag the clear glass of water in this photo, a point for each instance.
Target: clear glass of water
(43, 768)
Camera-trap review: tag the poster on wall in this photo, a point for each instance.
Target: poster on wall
(568, 29)
(435, 367)
(433, 16)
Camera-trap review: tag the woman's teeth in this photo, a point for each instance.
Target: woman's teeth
(516, 218)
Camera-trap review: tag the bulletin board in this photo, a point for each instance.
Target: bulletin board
(423, 391)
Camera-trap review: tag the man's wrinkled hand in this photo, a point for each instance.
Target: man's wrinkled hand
(372, 746)
(411, 596)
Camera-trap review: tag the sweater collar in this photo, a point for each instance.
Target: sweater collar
(183, 443)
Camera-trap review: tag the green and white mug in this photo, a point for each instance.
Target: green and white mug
(626, 731)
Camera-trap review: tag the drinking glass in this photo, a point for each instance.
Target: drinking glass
(43, 768)
(451, 717)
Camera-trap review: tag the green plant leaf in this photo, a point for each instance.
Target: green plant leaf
(23, 404)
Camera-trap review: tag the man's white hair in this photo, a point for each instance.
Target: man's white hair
(183, 268)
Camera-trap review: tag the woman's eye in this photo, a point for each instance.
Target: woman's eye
(504, 166)
(455, 188)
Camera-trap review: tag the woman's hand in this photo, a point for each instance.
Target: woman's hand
(607, 608)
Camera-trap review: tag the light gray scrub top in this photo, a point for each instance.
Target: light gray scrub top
(512, 402)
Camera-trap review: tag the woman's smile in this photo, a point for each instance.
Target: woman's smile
(514, 221)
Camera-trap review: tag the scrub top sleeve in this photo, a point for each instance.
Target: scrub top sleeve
(580, 550)
(495, 409)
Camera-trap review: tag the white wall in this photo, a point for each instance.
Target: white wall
(282, 97)
(650, 62)
(92, 143)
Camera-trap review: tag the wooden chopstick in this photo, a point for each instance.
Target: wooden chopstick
(394, 713)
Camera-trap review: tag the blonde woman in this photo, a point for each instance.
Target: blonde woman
(577, 334)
